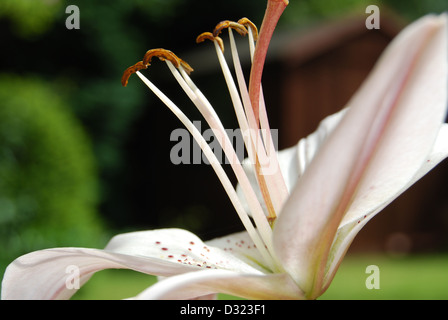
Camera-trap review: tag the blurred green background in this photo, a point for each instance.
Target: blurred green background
(81, 157)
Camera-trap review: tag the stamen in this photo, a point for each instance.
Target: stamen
(229, 24)
(163, 55)
(253, 35)
(133, 69)
(277, 187)
(269, 259)
(215, 124)
(275, 191)
(186, 67)
(272, 186)
(249, 25)
(209, 36)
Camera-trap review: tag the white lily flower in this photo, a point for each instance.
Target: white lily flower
(302, 211)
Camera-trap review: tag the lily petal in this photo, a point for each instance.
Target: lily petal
(308, 147)
(381, 142)
(42, 275)
(182, 246)
(242, 247)
(202, 283)
(166, 252)
(350, 228)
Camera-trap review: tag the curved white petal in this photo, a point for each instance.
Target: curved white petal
(308, 147)
(181, 246)
(380, 144)
(241, 246)
(350, 228)
(167, 252)
(198, 284)
(43, 275)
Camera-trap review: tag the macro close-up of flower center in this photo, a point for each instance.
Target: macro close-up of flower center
(300, 207)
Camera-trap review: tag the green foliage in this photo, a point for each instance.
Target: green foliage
(30, 18)
(304, 12)
(48, 184)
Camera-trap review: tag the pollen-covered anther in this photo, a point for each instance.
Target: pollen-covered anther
(132, 69)
(249, 24)
(188, 69)
(209, 36)
(163, 55)
(229, 24)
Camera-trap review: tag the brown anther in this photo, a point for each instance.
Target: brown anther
(163, 55)
(209, 36)
(133, 69)
(229, 24)
(249, 24)
(188, 69)
(205, 36)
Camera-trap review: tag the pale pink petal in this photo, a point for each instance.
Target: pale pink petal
(382, 141)
(241, 246)
(308, 147)
(198, 284)
(350, 228)
(43, 274)
(184, 247)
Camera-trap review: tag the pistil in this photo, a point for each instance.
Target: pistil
(273, 12)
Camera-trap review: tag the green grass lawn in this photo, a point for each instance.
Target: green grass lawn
(414, 277)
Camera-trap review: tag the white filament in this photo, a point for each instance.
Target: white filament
(230, 190)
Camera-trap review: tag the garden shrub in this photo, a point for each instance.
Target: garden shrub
(48, 181)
